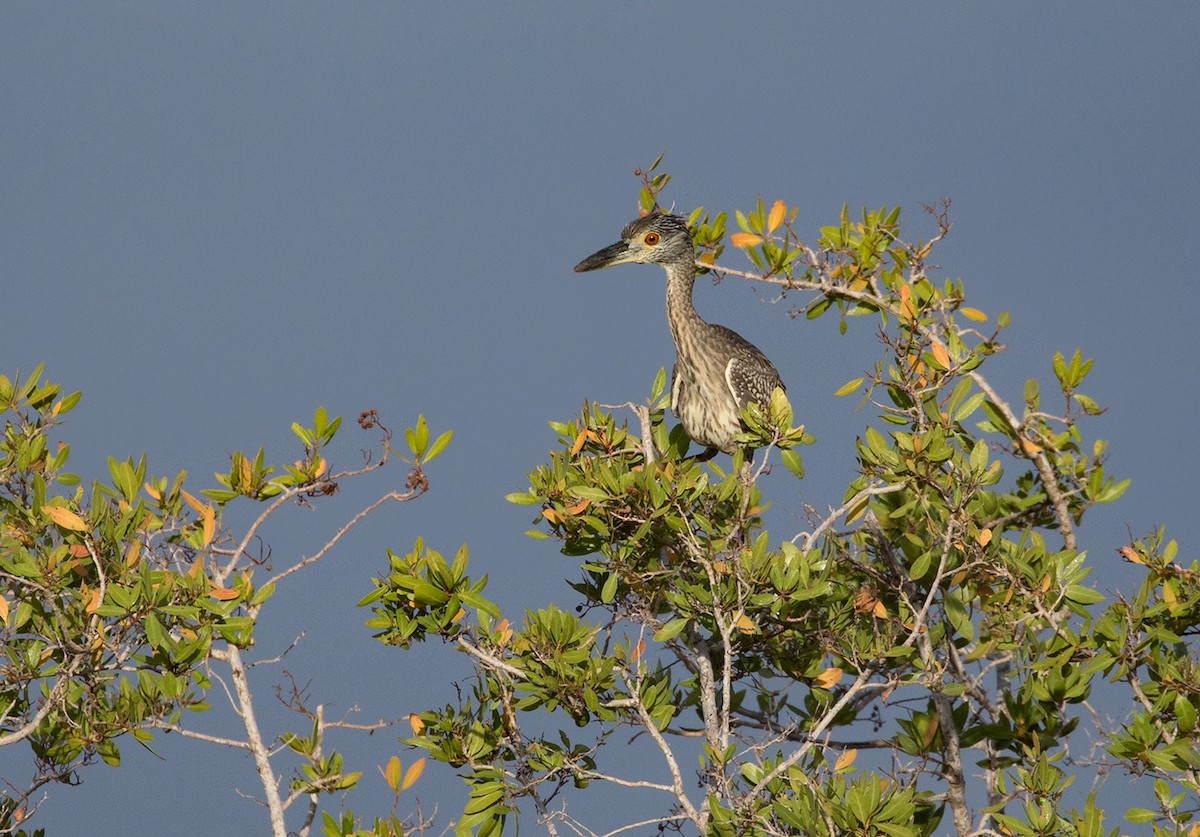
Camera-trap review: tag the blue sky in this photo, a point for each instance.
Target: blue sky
(219, 216)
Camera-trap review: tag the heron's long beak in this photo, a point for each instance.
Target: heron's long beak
(618, 253)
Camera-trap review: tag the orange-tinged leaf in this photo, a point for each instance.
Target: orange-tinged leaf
(196, 568)
(4, 609)
(880, 610)
(974, 314)
(553, 515)
(133, 554)
(462, 611)
(193, 502)
(413, 773)
(746, 625)
(1031, 448)
(638, 650)
(210, 527)
(393, 772)
(152, 491)
(577, 508)
(223, 594)
(78, 550)
(740, 239)
(414, 721)
(940, 354)
(720, 567)
(93, 602)
(778, 211)
(984, 537)
(1130, 554)
(845, 759)
(322, 465)
(66, 518)
(579, 442)
(829, 677)
(208, 517)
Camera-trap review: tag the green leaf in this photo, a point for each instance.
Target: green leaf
(671, 630)
(609, 591)
(793, 462)
(439, 445)
(1139, 815)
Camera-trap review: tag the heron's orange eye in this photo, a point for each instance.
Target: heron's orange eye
(651, 239)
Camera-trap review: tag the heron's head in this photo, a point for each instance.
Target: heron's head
(656, 238)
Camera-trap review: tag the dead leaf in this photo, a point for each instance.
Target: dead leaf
(778, 211)
(412, 774)
(741, 239)
(66, 518)
(829, 677)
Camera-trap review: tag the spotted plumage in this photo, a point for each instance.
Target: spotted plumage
(717, 371)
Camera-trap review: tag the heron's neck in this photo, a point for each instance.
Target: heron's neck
(681, 314)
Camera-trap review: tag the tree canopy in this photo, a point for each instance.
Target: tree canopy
(917, 657)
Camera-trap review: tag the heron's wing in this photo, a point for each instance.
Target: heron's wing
(751, 377)
(675, 388)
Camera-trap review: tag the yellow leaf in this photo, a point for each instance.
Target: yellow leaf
(245, 471)
(845, 760)
(392, 773)
(152, 491)
(462, 611)
(849, 387)
(829, 677)
(880, 610)
(66, 518)
(93, 603)
(940, 354)
(413, 773)
(553, 515)
(746, 625)
(133, 554)
(708, 258)
(984, 537)
(778, 210)
(1031, 448)
(4, 610)
(740, 239)
(974, 314)
(414, 721)
(1168, 594)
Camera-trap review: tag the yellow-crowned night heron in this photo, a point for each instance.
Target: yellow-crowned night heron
(717, 371)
